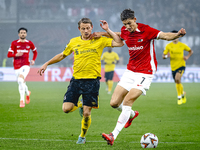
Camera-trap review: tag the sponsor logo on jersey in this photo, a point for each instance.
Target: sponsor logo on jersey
(135, 48)
(23, 51)
(88, 50)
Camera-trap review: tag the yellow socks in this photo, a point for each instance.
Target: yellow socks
(179, 89)
(110, 85)
(79, 104)
(85, 124)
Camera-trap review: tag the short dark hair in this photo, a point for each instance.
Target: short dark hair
(84, 20)
(127, 14)
(174, 31)
(22, 28)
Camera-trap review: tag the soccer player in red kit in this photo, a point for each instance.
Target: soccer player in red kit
(20, 50)
(142, 64)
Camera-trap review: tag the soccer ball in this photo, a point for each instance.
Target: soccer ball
(149, 140)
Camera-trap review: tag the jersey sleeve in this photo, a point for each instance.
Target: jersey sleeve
(68, 49)
(106, 42)
(165, 52)
(186, 48)
(34, 49)
(103, 56)
(116, 56)
(152, 33)
(11, 50)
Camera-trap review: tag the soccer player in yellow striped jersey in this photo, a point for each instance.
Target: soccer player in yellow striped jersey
(175, 50)
(87, 70)
(109, 58)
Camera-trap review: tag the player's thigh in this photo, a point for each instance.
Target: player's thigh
(139, 81)
(110, 76)
(178, 76)
(90, 92)
(132, 95)
(118, 96)
(22, 72)
(73, 92)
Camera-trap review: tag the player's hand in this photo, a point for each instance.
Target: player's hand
(181, 32)
(104, 25)
(32, 62)
(95, 35)
(42, 69)
(185, 58)
(19, 54)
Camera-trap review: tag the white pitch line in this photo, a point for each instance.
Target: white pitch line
(88, 141)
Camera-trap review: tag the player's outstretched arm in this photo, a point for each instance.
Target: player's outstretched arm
(171, 36)
(117, 42)
(54, 60)
(99, 34)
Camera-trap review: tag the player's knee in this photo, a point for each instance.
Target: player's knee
(66, 109)
(177, 81)
(114, 104)
(86, 113)
(20, 80)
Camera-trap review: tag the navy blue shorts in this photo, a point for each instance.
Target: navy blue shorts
(109, 75)
(181, 70)
(88, 88)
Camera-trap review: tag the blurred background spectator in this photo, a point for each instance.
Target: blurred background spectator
(51, 23)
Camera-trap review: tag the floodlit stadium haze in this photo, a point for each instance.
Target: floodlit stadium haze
(51, 24)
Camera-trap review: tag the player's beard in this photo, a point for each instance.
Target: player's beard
(23, 37)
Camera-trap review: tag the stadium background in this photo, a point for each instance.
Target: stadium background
(52, 23)
(42, 125)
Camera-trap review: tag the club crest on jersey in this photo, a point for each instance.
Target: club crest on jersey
(92, 41)
(140, 40)
(27, 47)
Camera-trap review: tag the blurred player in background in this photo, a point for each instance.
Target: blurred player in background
(20, 50)
(175, 51)
(109, 59)
(141, 67)
(86, 70)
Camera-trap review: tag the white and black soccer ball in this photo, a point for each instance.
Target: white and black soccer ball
(149, 140)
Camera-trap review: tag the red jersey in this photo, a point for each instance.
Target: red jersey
(25, 47)
(141, 48)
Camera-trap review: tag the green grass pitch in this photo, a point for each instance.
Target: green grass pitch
(42, 125)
